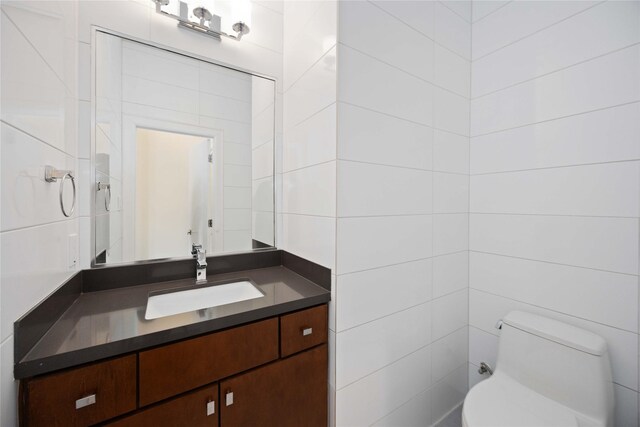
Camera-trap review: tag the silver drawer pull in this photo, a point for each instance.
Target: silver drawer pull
(211, 408)
(307, 331)
(85, 401)
(228, 398)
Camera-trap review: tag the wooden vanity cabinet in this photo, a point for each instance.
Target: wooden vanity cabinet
(81, 396)
(272, 372)
(175, 368)
(194, 409)
(291, 392)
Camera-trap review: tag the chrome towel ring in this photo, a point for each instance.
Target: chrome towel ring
(52, 174)
(107, 196)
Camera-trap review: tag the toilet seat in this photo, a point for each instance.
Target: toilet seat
(502, 402)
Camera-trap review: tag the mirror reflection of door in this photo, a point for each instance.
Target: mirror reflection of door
(203, 164)
(175, 194)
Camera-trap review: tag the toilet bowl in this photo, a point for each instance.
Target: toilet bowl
(548, 374)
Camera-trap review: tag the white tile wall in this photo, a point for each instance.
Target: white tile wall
(402, 115)
(556, 95)
(575, 140)
(564, 93)
(46, 93)
(378, 394)
(39, 127)
(367, 295)
(514, 21)
(585, 36)
(372, 137)
(554, 191)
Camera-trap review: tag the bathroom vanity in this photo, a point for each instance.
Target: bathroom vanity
(98, 361)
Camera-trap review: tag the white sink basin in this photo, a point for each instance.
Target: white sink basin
(191, 299)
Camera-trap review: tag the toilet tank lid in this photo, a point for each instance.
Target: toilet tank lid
(557, 331)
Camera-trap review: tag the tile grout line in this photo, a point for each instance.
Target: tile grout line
(558, 70)
(554, 119)
(553, 311)
(539, 30)
(553, 263)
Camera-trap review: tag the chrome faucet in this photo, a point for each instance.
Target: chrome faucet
(201, 262)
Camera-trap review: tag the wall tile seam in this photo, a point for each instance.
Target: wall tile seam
(318, 111)
(431, 387)
(38, 225)
(177, 85)
(564, 68)
(551, 310)
(111, 143)
(434, 40)
(303, 25)
(545, 168)
(554, 118)
(287, 88)
(402, 263)
(311, 116)
(451, 293)
(553, 215)
(489, 14)
(431, 83)
(260, 46)
(389, 165)
(9, 337)
(444, 3)
(552, 262)
(311, 215)
(377, 370)
(384, 316)
(267, 7)
(540, 30)
(309, 166)
(39, 140)
(431, 126)
(70, 92)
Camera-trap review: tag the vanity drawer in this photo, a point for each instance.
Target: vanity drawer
(196, 409)
(175, 368)
(303, 329)
(81, 396)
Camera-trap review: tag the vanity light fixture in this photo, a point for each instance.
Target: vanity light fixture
(208, 23)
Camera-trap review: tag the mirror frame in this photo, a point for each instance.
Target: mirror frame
(92, 160)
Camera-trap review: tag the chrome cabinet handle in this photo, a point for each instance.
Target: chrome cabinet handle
(307, 331)
(85, 401)
(228, 398)
(211, 407)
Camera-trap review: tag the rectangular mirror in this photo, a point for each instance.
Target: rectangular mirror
(183, 154)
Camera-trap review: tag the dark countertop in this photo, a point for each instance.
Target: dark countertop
(111, 322)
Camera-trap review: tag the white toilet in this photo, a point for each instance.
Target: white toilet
(548, 373)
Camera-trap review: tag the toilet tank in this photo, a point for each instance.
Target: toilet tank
(565, 363)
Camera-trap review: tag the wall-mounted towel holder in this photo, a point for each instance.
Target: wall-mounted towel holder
(107, 196)
(52, 174)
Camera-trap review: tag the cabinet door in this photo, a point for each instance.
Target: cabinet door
(80, 396)
(289, 392)
(195, 409)
(175, 368)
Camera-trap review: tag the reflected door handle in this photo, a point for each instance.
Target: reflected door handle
(211, 407)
